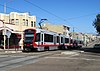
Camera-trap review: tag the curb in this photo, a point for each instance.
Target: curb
(10, 51)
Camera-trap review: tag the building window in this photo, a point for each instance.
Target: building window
(31, 23)
(17, 21)
(34, 24)
(26, 22)
(12, 21)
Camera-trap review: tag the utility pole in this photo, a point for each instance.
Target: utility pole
(4, 28)
(73, 32)
(73, 37)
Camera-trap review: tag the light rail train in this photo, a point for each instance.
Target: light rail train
(40, 40)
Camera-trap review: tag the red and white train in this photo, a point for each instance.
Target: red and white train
(40, 40)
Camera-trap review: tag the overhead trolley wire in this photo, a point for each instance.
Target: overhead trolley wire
(66, 20)
(45, 10)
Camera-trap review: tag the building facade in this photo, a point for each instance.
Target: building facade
(21, 21)
(60, 29)
(86, 38)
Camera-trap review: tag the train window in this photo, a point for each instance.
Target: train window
(37, 37)
(57, 39)
(48, 38)
(66, 40)
(61, 39)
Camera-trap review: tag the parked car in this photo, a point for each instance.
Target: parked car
(97, 46)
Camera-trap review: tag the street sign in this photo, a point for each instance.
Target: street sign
(8, 33)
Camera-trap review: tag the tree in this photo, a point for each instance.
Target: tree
(96, 23)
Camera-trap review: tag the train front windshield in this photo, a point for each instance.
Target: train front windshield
(29, 36)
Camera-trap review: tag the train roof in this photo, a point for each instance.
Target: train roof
(50, 32)
(46, 31)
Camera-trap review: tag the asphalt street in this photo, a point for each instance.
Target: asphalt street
(69, 60)
(13, 60)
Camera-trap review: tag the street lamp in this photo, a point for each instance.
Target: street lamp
(41, 21)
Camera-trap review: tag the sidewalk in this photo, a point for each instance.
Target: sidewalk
(6, 51)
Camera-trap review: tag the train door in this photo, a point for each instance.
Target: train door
(58, 40)
(55, 39)
(63, 40)
(42, 38)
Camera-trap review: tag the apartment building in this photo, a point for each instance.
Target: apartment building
(60, 29)
(21, 21)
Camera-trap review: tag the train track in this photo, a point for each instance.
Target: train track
(17, 60)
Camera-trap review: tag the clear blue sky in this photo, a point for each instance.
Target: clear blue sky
(74, 13)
